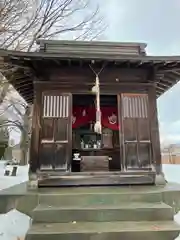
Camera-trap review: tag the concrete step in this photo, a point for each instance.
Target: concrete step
(103, 213)
(167, 230)
(94, 197)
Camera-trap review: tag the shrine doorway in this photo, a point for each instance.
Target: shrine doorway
(91, 151)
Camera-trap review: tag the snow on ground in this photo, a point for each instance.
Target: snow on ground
(14, 225)
(8, 181)
(172, 175)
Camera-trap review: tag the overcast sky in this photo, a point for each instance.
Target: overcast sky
(154, 22)
(157, 23)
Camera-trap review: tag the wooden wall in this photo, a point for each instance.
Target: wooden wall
(77, 79)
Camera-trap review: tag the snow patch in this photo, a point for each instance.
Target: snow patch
(9, 181)
(13, 225)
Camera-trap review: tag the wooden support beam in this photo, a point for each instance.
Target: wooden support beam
(169, 70)
(160, 88)
(173, 76)
(154, 127)
(22, 88)
(177, 73)
(168, 80)
(23, 85)
(132, 84)
(34, 147)
(26, 90)
(165, 84)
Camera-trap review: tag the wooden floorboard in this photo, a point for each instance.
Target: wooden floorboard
(103, 179)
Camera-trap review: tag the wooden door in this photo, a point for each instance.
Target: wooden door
(136, 142)
(56, 129)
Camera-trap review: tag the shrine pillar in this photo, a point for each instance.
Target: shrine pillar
(155, 136)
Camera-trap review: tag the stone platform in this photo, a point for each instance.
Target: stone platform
(97, 213)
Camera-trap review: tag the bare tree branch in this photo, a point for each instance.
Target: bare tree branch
(24, 21)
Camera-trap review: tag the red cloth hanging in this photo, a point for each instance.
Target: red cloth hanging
(110, 118)
(84, 115)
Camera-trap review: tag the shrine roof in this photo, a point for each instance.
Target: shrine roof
(21, 66)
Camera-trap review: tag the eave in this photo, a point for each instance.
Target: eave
(167, 69)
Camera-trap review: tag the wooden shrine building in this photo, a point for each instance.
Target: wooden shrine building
(58, 80)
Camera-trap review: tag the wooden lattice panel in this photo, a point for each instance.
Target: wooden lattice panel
(56, 106)
(135, 105)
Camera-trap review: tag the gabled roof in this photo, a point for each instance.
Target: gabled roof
(122, 55)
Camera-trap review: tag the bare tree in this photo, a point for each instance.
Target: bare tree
(24, 21)
(12, 14)
(19, 121)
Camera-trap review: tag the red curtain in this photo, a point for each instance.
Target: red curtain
(83, 115)
(110, 118)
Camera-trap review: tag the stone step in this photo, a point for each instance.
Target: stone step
(165, 230)
(103, 213)
(94, 198)
(104, 189)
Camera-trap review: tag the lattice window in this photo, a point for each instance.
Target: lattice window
(56, 106)
(135, 105)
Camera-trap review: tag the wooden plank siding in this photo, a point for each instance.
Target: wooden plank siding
(135, 105)
(85, 75)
